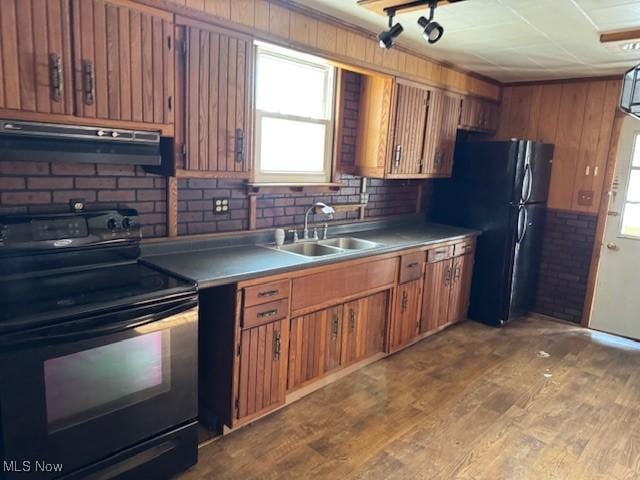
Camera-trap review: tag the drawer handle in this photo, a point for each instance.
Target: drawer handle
(268, 313)
(440, 252)
(334, 326)
(413, 264)
(352, 320)
(276, 345)
(268, 293)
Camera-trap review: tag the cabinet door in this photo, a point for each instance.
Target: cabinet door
(435, 298)
(123, 62)
(406, 318)
(410, 118)
(215, 91)
(460, 288)
(443, 117)
(314, 346)
(263, 368)
(364, 325)
(35, 56)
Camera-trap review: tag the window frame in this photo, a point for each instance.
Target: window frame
(625, 201)
(330, 98)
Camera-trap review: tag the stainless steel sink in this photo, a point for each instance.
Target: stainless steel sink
(309, 249)
(321, 248)
(348, 243)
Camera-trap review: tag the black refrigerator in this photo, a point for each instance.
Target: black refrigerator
(500, 188)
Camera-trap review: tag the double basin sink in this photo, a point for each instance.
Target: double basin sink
(331, 246)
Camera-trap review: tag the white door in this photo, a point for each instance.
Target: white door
(616, 306)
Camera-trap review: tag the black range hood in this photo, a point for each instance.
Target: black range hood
(47, 142)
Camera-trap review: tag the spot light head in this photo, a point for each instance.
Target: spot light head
(387, 37)
(432, 31)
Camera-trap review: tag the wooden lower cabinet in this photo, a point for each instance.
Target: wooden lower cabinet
(262, 379)
(315, 345)
(435, 298)
(364, 326)
(325, 340)
(406, 315)
(447, 285)
(462, 269)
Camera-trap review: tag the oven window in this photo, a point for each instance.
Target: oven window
(95, 382)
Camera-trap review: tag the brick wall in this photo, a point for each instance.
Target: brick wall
(564, 268)
(34, 187)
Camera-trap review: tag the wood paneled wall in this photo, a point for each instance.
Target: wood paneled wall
(290, 24)
(576, 116)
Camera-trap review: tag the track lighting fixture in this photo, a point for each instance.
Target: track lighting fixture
(387, 37)
(432, 31)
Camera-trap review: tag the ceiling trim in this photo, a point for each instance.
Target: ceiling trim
(620, 35)
(562, 80)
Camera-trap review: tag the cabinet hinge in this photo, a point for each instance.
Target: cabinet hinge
(184, 150)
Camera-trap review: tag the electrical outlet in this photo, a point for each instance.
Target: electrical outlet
(220, 206)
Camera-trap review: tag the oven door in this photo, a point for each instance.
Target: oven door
(77, 392)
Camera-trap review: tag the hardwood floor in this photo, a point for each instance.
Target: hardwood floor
(470, 403)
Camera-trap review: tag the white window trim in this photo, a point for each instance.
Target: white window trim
(625, 201)
(329, 95)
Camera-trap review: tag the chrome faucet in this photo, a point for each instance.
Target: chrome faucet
(324, 209)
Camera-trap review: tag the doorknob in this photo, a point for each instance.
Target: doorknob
(613, 246)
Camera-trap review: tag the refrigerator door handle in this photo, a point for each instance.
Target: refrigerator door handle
(527, 183)
(522, 226)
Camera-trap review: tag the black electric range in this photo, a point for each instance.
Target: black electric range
(93, 344)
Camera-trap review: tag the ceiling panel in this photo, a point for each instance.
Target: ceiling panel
(514, 40)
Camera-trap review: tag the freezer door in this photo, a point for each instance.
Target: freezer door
(526, 259)
(535, 172)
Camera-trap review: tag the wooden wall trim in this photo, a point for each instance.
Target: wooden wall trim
(603, 217)
(288, 24)
(561, 80)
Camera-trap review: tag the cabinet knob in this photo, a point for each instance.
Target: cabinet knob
(613, 246)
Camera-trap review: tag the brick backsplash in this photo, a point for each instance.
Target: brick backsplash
(564, 268)
(36, 187)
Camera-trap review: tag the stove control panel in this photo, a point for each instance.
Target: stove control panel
(54, 231)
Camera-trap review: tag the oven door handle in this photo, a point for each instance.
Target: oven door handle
(99, 325)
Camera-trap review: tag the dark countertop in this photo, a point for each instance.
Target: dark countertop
(218, 261)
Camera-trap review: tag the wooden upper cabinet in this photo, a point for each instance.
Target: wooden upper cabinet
(214, 83)
(440, 137)
(124, 65)
(409, 130)
(405, 130)
(479, 115)
(35, 56)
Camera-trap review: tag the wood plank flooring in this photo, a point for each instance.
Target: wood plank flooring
(472, 402)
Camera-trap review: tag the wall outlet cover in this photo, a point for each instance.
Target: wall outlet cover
(221, 206)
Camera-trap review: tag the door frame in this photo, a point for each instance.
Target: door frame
(603, 210)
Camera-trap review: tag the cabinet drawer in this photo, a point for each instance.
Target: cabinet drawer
(267, 292)
(265, 313)
(440, 253)
(411, 266)
(463, 248)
